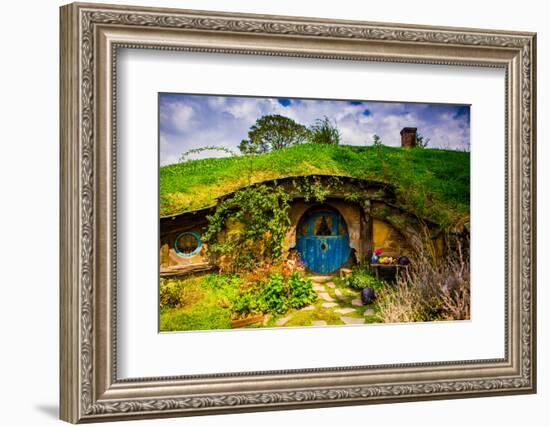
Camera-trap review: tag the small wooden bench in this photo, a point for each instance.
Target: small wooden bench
(187, 269)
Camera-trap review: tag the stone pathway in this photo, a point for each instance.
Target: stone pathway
(326, 296)
(321, 279)
(330, 304)
(345, 310)
(319, 323)
(333, 301)
(282, 321)
(352, 320)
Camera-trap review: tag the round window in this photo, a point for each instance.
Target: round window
(188, 244)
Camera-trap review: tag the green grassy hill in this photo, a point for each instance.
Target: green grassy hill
(433, 183)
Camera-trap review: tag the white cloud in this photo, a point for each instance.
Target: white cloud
(181, 115)
(192, 121)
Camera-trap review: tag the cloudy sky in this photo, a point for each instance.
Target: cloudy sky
(194, 121)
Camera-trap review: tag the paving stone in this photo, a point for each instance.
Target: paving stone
(329, 304)
(319, 323)
(282, 321)
(344, 310)
(327, 297)
(330, 284)
(345, 272)
(318, 287)
(368, 312)
(308, 308)
(352, 320)
(321, 279)
(357, 302)
(340, 295)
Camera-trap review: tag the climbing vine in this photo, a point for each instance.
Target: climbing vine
(248, 229)
(184, 156)
(312, 188)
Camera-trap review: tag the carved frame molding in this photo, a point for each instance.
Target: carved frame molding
(90, 37)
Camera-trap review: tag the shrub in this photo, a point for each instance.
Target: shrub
(404, 302)
(170, 293)
(362, 278)
(301, 290)
(275, 295)
(245, 303)
(175, 293)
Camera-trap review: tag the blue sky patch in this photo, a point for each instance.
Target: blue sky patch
(285, 102)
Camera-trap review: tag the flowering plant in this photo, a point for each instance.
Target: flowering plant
(378, 252)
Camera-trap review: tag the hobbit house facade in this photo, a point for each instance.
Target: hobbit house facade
(353, 218)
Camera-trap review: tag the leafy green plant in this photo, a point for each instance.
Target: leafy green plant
(363, 278)
(244, 303)
(276, 295)
(259, 217)
(301, 290)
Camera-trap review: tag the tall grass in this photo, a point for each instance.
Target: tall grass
(430, 289)
(324, 132)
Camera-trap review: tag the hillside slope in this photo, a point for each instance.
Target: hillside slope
(433, 183)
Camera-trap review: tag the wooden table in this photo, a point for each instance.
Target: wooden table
(377, 267)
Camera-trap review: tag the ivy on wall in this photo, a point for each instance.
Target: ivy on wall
(248, 229)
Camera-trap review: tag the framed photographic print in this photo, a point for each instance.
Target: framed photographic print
(267, 212)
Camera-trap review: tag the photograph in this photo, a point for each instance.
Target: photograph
(278, 212)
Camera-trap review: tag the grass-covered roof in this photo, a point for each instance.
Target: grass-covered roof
(433, 183)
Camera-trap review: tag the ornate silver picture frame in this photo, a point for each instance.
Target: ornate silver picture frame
(91, 35)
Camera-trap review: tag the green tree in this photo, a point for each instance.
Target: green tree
(376, 140)
(273, 132)
(324, 132)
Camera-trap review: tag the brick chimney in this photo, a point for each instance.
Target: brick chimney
(408, 137)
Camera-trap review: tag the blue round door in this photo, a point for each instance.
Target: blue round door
(323, 241)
